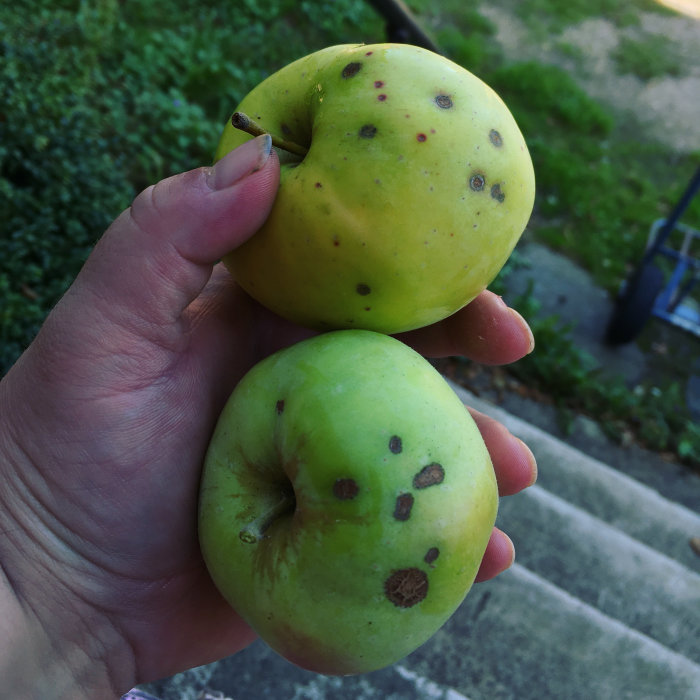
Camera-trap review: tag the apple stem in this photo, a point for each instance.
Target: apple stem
(254, 531)
(242, 121)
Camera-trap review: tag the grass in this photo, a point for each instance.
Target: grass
(550, 16)
(653, 56)
(100, 99)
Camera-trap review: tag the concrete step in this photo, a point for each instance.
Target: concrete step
(520, 636)
(601, 490)
(516, 637)
(606, 568)
(603, 603)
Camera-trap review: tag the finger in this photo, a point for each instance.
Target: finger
(158, 255)
(513, 461)
(499, 556)
(485, 330)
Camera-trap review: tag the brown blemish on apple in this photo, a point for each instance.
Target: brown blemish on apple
(402, 509)
(421, 137)
(351, 69)
(431, 555)
(477, 182)
(363, 289)
(381, 97)
(497, 193)
(336, 241)
(406, 587)
(279, 406)
(318, 185)
(430, 475)
(444, 101)
(495, 138)
(368, 131)
(378, 83)
(345, 489)
(395, 444)
(285, 129)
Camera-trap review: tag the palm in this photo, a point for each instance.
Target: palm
(134, 526)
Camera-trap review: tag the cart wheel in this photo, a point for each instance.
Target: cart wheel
(633, 307)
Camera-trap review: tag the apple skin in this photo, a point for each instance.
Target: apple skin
(387, 492)
(416, 187)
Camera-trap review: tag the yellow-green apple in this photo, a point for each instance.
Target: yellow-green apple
(410, 187)
(346, 501)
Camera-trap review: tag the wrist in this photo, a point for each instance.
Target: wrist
(41, 664)
(52, 644)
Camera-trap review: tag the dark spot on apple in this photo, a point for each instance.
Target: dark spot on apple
(395, 444)
(402, 509)
(279, 406)
(431, 555)
(443, 101)
(369, 53)
(345, 489)
(336, 241)
(351, 69)
(285, 129)
(421, 137)
(368, 131)
(495, 138)
(363, 289)
(497, 193)
(477, 182)
(378, 83)
(381, 97)
(368, 308)
(318, 185)
(430, 475)
(406, 587)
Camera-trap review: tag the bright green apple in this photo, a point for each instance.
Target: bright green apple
(416, 186)
(346, 501)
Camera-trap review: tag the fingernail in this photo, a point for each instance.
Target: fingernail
(512, 550)
(526, 329)
(531, 459)
(242, 161)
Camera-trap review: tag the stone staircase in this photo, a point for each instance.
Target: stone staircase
(602, 603)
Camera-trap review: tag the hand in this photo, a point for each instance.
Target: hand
(105, 420)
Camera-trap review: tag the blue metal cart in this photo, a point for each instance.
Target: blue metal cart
(651, 290)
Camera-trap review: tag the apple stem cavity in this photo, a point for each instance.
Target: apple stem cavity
(242, 121)
(255, 530)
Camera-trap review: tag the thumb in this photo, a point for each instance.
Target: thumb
(158, 255)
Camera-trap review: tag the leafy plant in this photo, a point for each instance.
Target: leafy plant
(655, 416)
(100, 99)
